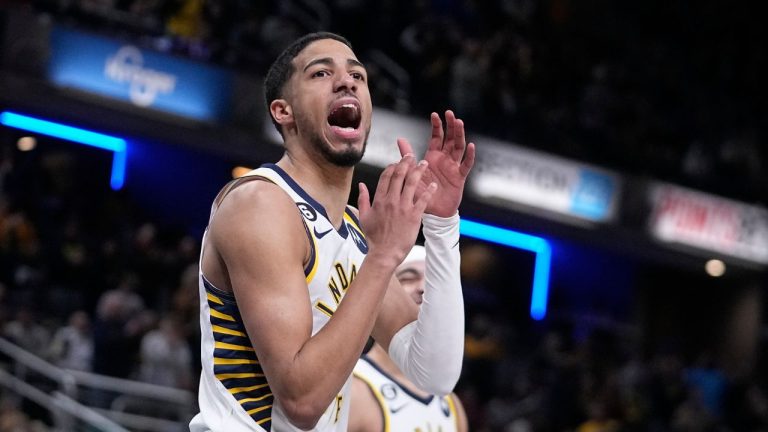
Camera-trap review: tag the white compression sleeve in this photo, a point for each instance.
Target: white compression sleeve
(430, 350)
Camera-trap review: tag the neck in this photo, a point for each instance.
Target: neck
(383, 361)
(327, 183)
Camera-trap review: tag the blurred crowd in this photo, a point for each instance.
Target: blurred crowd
(87, 281)
(661, 88)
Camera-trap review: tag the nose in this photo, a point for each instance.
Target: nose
(344, 82)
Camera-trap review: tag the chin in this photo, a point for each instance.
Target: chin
(348, 154)
(346, 158)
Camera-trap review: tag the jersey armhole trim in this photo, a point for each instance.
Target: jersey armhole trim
(379, 399)
(232, 185)
(424, 400)
(311, 267)
(452, 407)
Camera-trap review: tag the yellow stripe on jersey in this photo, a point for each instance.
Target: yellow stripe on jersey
(264, 421)
(226, 361)
(237, 390)
(217, 314)
(224, 330)
(246, 400)
(452, 407)
(255, 410)
(215, 299)
(233, 347)
(311, 274)
(239, 375)
(349, 219)
(379, 398)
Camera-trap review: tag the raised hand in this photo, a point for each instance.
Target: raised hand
(450, 160)
(391, 223)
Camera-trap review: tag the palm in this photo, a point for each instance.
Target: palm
(450, 160)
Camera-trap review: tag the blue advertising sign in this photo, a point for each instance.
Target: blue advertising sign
(516, 175)
(593, 194)
(145, 78)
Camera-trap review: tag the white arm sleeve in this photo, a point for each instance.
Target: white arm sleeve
(430, 350)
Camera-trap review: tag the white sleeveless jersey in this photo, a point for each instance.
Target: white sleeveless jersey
(402, 409)
(234, 394)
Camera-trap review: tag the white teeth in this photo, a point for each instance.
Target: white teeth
(353, 106)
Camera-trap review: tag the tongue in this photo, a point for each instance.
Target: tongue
(343, 117)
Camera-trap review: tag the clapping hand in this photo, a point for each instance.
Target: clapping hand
(450, 160)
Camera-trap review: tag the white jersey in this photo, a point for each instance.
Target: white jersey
(402, 409)
(234, 394)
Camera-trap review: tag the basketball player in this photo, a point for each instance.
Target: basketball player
(383, 399)
(287, 302)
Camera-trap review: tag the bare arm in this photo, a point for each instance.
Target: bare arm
(264, 262)
(365, 413)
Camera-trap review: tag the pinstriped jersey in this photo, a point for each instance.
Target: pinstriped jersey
(234, 394)
(402, 409)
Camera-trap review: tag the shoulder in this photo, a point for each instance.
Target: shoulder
(255, 216)
(255, 204)
(366, 414)
(256, 194)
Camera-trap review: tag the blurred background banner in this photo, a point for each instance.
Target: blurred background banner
(144, 78)
(513, 175)
(386, 127)
(709, 222)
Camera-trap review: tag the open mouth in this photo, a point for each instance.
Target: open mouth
(345, 116)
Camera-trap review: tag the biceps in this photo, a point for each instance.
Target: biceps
(276, 313)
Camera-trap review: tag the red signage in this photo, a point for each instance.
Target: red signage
(709, 222)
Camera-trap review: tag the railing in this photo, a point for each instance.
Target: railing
(65, 405)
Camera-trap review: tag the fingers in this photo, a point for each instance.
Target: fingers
(399, 174)
(404, 146)
(425, 197)
(412, 182)
(402, 181)
(468, 162)
(363, 199)
(453, 142)
(436, 140)
(383, 186)
(450, 130)
(459, 141)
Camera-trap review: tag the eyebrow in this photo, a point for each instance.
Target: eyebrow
(329, 61)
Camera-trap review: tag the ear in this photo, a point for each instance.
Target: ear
(281, 111)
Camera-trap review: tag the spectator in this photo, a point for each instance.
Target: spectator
(25, 332)
(72, 345)
(116, 336)
(165, 355)
(469, 72)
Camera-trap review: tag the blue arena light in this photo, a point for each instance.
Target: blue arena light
(118, 169)
(537, 245)
(81, 136)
